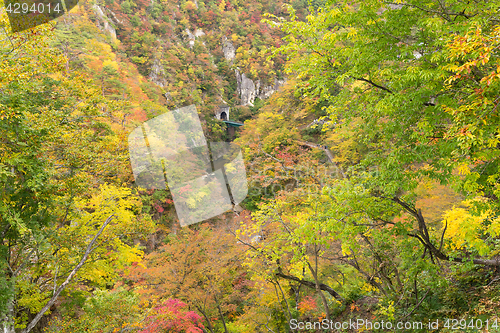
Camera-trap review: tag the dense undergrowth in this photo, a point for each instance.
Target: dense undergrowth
(373, 171)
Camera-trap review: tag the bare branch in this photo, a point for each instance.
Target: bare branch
(309, 284)
(442, 236)
(373, 84)
(37, 318)
(416, 306)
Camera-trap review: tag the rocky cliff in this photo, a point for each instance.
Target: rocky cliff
(103, 22)
(249, 90)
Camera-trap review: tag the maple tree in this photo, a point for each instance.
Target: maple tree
(57, 143)
(172, 316)
(198, 267)
(412, 112)
(388, 108)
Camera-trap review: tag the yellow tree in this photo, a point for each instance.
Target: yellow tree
(60, 140)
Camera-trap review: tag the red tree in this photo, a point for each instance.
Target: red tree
(172, 316)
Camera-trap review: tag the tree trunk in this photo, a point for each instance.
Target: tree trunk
(286, 303)
(209, 324)
(318, 290)
(47, 306)
(309, 284)
(422, 234)
(221, 315)
(7, 323)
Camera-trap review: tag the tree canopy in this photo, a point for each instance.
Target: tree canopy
(371, 147)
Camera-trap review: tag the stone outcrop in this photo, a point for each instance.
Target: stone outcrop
(192, 36)
(157, 74)
(199, 33)
(116, 20)
(248, 90)
(104, 21)
(267, 91)
(228, 49)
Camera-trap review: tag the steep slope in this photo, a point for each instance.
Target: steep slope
(177, 53)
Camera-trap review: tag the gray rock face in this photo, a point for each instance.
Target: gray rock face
(267, 91)
(192, 37)
(199, 33)
(104, 20)
(116, 20)
(228, 49)
(248, 90)
(157, 74)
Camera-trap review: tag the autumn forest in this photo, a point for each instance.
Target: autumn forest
(370, 137)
